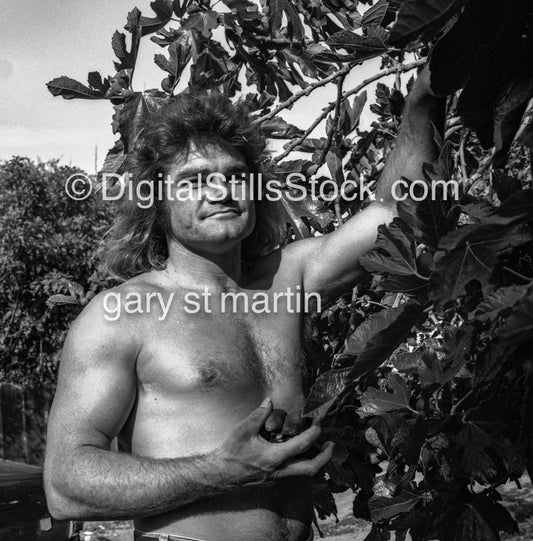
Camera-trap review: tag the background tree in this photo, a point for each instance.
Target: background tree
(48, 245)
(424, 372)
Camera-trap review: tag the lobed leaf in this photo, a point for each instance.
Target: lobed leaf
(276, 9)
(376, 13)
(379, 336)
(202, 21)
(508, 116)
(279, 128)
(396, 258)
(499, 301)
(324, 392)
(470, 253)
(376, 402)
(385, 508)
(70, 89)
(518, 327)
(485, 457)
(422, 18)
(163, 10)
(180, 52)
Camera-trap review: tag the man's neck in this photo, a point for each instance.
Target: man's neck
(214, 271)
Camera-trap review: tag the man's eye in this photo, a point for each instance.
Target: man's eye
(191, 182)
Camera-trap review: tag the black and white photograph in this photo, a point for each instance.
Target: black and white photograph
(266, 270)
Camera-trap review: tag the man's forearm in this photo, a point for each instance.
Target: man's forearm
(415, 144)
(102, 484)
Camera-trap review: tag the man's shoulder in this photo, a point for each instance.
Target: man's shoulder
(119, 310)
(97, 335)
(96, 314)
(147, 282)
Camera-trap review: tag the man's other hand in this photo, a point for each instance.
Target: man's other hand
(250, 459)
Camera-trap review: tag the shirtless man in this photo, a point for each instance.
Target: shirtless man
(190, 395)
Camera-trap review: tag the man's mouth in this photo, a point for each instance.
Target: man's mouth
(234, 212)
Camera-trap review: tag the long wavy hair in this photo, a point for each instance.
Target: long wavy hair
(137, 242)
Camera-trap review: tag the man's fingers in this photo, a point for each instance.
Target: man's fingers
(300, 443)
(275, 420)
(309, 467)
(255, 421)
(295, 423)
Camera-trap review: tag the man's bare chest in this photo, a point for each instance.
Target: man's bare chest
(221, 349)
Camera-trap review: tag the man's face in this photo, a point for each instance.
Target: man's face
(206, 213)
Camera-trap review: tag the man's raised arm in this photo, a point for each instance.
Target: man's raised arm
(96, 391)
(331, 261)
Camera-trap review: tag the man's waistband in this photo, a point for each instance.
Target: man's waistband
(143, 536)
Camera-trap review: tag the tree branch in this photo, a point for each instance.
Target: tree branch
(305, 92)
(296, 142)
(480, 172)
(402, 68)
(278, 41)
(331, 105)
(335, 123)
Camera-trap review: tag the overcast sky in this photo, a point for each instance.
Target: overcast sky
(44, 39)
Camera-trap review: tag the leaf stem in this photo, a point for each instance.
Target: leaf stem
(517, 274)
(464, 139)
(454, 409)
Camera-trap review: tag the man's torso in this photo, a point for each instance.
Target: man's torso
(201, 373)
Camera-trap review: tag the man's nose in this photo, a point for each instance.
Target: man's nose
(218, 189)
